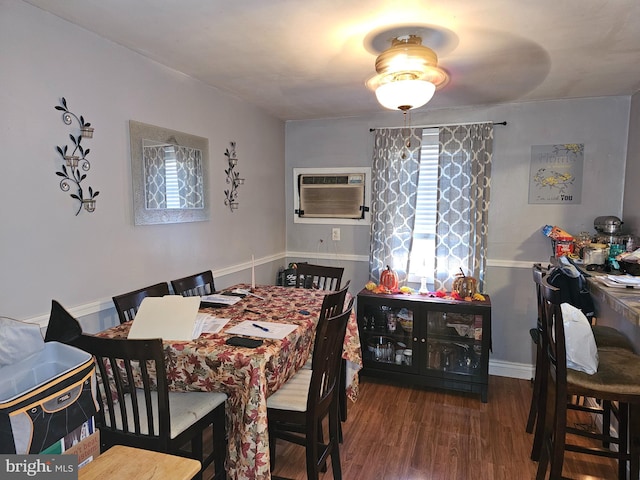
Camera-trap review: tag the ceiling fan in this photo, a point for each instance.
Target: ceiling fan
(407, 71)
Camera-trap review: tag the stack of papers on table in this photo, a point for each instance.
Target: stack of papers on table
(172, 317)
(207, 323)
(262, 329)
(219, 299)
(620, 281)
(625, 279)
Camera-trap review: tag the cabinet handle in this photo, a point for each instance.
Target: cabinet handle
(415, 339)
(423, 340)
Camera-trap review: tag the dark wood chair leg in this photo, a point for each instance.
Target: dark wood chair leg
(334, 424)
(559, 433)
(541, 407)
(536, 395)
(219, 444)
(311, 453)
(343, 391)
(606, 421)
(197, 453)
(634, 440)
(272, 446)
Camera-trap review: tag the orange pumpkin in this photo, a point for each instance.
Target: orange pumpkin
(389, 279)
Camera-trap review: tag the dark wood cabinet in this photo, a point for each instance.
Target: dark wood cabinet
(425, 340)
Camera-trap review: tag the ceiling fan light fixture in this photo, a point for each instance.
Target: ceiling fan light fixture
(405, 94)
(408, 74)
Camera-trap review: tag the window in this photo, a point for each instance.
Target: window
(423, 250)
(172, 191)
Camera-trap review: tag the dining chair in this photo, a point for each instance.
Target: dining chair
(617, 379)
(194, 285)
(138, 410)
(127, 304)
(605, 337)
(324, 277)
(321, 277)
(332, 304)
(296, 411)
(153, 418)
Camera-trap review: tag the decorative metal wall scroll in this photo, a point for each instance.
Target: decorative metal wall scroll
(232, 178)
(75, 161)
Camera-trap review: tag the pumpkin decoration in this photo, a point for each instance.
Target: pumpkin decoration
(464, 286)
(389, 279)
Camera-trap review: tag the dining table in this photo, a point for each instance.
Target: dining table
(250, 375)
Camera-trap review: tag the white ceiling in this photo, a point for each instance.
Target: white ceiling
(301, 59)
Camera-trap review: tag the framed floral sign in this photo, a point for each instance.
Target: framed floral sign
(555, 174)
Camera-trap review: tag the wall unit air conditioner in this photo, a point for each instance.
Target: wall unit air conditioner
(340, 195)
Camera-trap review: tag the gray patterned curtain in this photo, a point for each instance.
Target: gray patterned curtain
(396, 160)
(154, 174)
(189, 171)
(464, 175)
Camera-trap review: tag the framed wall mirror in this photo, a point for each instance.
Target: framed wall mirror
(169, 173)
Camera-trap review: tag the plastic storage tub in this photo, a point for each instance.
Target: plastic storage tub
(44, 397)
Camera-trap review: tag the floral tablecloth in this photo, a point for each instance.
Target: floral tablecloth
(248, 375)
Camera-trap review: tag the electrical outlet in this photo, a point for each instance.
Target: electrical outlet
(335, 234)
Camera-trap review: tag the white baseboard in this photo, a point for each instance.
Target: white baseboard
(511, 369)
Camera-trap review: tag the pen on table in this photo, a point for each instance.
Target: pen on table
(264, 329)
(257, 296)
(252, 311)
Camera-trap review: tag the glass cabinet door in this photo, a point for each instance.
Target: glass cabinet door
(454, 342)
(387, 334)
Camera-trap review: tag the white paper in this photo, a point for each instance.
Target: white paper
(222, 299)
(624, 279)
(610, 283)
(207, 323)
(274, 330)
(242, 291)
(172, 317)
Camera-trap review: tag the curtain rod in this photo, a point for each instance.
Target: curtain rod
(437, 126)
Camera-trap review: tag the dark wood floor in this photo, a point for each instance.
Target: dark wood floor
(405, 433)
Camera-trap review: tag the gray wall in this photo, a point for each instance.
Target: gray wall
(631, 213)
(47, 252)
(515, 238)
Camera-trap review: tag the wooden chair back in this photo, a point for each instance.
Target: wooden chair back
(332, 305)
(127, 304)
(327, 356)
(132, 391)
(553, 339)
(194, 285)
(321, 277)
(538, 403)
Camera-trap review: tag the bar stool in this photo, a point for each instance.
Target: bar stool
(616, 380)
(605, 337)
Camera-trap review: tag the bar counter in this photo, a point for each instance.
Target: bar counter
(616, 307)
